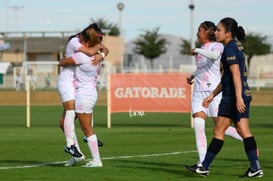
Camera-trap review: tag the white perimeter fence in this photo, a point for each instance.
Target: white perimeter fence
(44, 75)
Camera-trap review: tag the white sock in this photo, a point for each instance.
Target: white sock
(92, 142)
(200, 137)
(69, 127)
(232, 132)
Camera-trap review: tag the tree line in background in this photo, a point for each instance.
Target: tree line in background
(151, 45)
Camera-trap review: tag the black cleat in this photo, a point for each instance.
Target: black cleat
(73, 151)
(250, 173)
(200, 170)
(100, 144)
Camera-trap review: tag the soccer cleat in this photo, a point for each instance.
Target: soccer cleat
(200, 170)
(74, 160)
(250, 173)
(100, 144)
(191, 168)
(73, 151)
(93, 164)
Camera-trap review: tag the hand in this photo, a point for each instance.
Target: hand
(190, 79)
(98, 47)
(192, 52)
(240, 105)
(97, 59)
(207, 101)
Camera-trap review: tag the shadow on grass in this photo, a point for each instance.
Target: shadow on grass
(9, 164)
(170, 168)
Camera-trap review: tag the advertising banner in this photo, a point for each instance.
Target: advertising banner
(149, 92)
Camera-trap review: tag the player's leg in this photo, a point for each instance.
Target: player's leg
(100, 144)
(69, 129)
(69, 122)
(61, 122)
(200, 134)
(199, 114)
(250, 149)
(85, 122)
(215, 145)
(232, 132)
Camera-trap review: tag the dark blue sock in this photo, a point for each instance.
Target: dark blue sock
(214, 147)
(251, 151)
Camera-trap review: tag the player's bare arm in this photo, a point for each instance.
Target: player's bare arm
(236, 76)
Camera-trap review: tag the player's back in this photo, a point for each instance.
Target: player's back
(67, 73)
(86, 73)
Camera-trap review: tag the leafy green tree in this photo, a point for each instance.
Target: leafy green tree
(255, 45)
(112, 28)
(186, 46)
(150, 45)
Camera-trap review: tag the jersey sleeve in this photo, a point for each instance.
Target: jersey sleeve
(231, 55)
(81, 58)
(75, 44)
(213, 53)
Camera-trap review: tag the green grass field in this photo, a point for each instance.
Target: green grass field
(150, 147)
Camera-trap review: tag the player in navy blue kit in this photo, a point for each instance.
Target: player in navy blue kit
(235, 102)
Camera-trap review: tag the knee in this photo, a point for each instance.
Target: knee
(88, 131)
(219, 133)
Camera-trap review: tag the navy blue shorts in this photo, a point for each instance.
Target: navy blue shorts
(227, 108)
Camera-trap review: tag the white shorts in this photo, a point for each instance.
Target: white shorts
(197, 100)
(66, 90)
(85, 101)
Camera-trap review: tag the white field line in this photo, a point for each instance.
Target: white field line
(105, 158)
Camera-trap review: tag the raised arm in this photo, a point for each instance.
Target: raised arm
(67, 61)
(90, 51)
(100, 55)
(104, 50)
(213, 55)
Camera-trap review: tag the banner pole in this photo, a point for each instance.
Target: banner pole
(108, 101)
(191, 108)
(27, 102)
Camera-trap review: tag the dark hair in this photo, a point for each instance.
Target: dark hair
(231, 25)
(84, 33)
(95, 27)
(208, 25)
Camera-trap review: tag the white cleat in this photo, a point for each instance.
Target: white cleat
(74, 161)
(92, 164)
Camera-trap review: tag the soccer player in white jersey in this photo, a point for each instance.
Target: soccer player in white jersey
(66, 88)
(207, 76)
(85, 98)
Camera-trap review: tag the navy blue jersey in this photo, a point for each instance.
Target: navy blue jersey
(234, 54)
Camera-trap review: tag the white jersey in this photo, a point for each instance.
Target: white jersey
(66, 80)
(67, 72)
(86, 75)
(207, 74)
